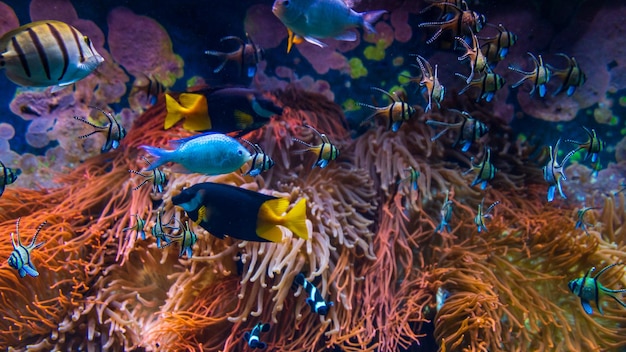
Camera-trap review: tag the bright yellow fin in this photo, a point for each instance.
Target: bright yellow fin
(243, 119)
(196, 111)
(174, 112)
(201, 215)
(295, 220)
(270, 215)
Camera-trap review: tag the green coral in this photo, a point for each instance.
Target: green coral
(375, 53)
(350, 105)
(356, 68)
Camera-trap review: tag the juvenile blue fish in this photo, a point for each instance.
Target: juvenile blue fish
(252, 337)
(209, 154)
(589, 289)
(315, 300)
(318, 19)
(20, 257)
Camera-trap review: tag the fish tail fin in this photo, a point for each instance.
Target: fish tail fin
(270, 215)
(295, 220)
(197, 112)
(221, 56)
(161, 156)
(174, 111)
(369, 18)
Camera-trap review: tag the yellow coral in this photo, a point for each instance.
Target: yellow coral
(357, 69)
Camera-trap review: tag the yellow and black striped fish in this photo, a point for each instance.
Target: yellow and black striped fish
(47, 53)
(326, 151)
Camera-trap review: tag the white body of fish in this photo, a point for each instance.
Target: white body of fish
(210, 154)
(47, 53)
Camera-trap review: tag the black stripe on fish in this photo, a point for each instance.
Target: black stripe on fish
(321, 153)
(41, 51)
(21, 56)
(77, 39)
(66, 58)
(390, 114)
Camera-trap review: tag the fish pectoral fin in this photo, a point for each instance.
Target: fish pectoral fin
(348, 36)
(315, 41)
(244, 120)
(60, 87)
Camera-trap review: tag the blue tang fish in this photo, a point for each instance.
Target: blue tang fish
(210, 154)
(312, 19)
(240, 213)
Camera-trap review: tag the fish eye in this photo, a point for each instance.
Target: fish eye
(87, 40)
(286, 3)
(240, 152)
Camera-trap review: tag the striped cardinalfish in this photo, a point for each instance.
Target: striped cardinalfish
(593, 146)
(138, 227)
(115, 132)
(7, 176)
(260, 160)
(247, 56)
(485, 171)
(326, 151)
(187, 238)
(396, 112)
(47, 53)
(589, 289)
(539, 76)
(20, 257)
(157, 177)
(571, 76)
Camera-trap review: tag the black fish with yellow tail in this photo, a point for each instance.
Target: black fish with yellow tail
(226, 210)
(222, 110)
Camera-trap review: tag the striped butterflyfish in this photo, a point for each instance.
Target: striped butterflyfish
(47, 53)
(225, 210)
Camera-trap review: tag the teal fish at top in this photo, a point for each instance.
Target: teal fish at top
(313, 19)
(47, 53)
(209, 153)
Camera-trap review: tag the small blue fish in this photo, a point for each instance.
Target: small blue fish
(252, 337)
(539, 76)
(157, 177)
(446, 215)
(485, 171)
(553, 171)
(593, 146)
(315, 300)
(7, 176)
(208, 153)
(186, 239)
(326, 151)
(318, 19)
(481, 215)
(138, 227)
(260, 160)
(580, 223)
(158, 231)
(20, 257)
(589, 289)
(114, 131)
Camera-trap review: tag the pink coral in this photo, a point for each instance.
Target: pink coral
(323, 59)
(130, 33)
(8, 19)
(402, 29)
(263, 27)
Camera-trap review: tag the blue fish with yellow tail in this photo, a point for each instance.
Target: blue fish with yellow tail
(225, 210)
(209, 154)
(7, 176)
(315, 299)
(253, 337)
(20, 257)
(589, 289)
(318, 19)
(47, 53)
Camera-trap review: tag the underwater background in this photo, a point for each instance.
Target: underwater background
(418, 239)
